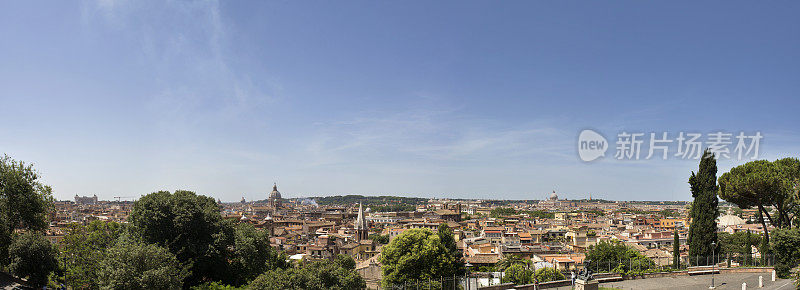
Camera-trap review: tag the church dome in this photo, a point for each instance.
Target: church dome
(275, 193)
(730, 220)
(553, 196)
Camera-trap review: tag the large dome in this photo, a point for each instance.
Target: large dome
(275, 193)
(730, 220)
(553, 196)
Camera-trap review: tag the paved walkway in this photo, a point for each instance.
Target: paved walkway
(722, 281)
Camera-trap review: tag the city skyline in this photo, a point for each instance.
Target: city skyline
(445, 100)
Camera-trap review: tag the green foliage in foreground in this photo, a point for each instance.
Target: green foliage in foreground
(418, 254)
(252, 254)
(622, 258)
(548, 274)
(785, 244)
(518, 274)
(33, 257)
(82, 249)
(191, 227)
(739, 244)
(339, 274)
(130, 264)
(24, 202)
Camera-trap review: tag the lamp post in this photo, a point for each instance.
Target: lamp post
(466, 275)
(713, 265)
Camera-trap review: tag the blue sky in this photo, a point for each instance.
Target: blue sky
(437, 99)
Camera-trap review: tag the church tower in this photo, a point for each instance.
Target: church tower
(362, 230)
(275, 197)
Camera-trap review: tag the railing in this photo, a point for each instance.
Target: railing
(622, 267)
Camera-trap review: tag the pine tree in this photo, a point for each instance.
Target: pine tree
(703, 230)
(676, 250)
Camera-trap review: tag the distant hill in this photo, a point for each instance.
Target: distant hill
(376, 203)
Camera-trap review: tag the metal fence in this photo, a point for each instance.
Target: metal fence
(443, 283)
(638, 266)
(666, 263)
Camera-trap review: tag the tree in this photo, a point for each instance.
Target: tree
(131, 264)
(502, 211)
(518, 274)
(676, 250)
(703, 230)
(417, 254)
(380, 239)
(191, 227)
(252, 254)
(616, 255)
(785, 244)
(510, 260)
(82, 249)
(763, 184)
(548, 274)
(338, 274)
(739, 244)
(445, 234)
(24, 201)
(33, 257)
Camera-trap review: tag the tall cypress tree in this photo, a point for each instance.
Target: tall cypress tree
(703, 230)
(676, 250)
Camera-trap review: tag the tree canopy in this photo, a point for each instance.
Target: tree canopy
(315, 275)
(24, 201)
(131, 264)
(786, 246)
(32, 257)
(616, 255)
(191, 227)
(417, 254)
(253, 255)
(763, 184)
(82, 249)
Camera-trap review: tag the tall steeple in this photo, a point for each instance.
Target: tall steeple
(362, 229)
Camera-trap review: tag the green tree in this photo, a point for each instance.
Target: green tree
(338, 274)
(739, 245)
(703, 230)
(765, 250)
(191, 227)
(616, 255)
(548, 274)
(252, 254)
(32, 257)
(216, 286)
(131, 264)
(417, 254)
(380, 239)
(510, 260)
(445, 234)
(518, 274)
(502, 211)
(24, 201)
(785, 244)
(676, 250)
(763, 184)
(82, 249)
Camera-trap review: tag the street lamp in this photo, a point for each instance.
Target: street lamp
(713, 265)
(466, 275)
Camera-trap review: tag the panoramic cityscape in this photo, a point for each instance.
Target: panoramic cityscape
(399, 145)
